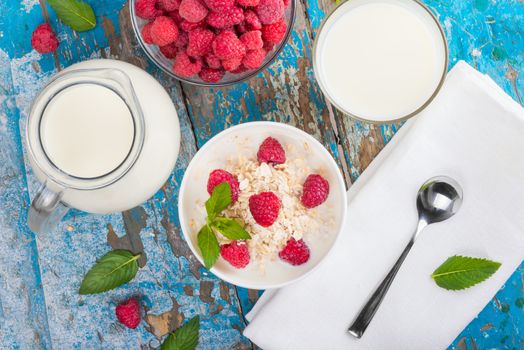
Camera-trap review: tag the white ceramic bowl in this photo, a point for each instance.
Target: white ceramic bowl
(231, 142)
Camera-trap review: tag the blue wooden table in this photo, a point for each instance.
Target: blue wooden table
(39, 276)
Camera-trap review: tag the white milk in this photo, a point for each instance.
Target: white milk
(380, 59)
(87, 130)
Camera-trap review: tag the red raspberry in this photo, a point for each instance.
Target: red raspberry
(192, 10)
(175, 15)
(169, 50)
(227, 45)
(234, 15)
(44, 39)
(128, 313)
(219, 176)
(236, 253)
(220, 5)
(164, 31)
(240, 28)
(254, 58)
(232, 64)
(295, 252)
(211, 75)
(169, 5)
(274, 33)
(187, 26)
(248, 3)
(182, 40)
(268, 46)
(252, 40)
(146, 33)
(270, 11)
(264, 207)
(315, 191)
(213, 61)
(252, 20)
(186, 66)
(200, 41)
(271, 151)
(286, 3)
(146, 9)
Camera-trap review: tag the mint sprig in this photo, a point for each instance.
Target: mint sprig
(461, 272)
(219, 200)
(184, 338)
(76, 14)
(112, 270)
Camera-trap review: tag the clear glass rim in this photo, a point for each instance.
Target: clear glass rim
(396, 120)
(251, 74)
(37, 150)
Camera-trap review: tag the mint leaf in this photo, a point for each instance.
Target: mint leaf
(184, 338)
(208, 244)
(219, 200)
(230, 228)
(460, 272)
(112, 270)
(76, 14)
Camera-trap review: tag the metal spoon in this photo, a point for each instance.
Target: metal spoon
(437, 200)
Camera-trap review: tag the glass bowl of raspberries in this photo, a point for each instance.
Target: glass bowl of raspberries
(212, 42)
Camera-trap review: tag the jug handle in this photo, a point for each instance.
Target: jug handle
(47, 210)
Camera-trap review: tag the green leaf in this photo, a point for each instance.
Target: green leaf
(219, 200)
(230, 228)
(184, 338)
(112, 270)
(76, 14)
(208, 244)
(460, 272)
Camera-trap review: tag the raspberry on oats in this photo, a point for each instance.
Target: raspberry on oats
(295, 252)
(227, 45)
(193, 10)
(274, 33)
(252, 40)
(265, 208)
(236, 253)
(128, 313)
(164, 31)
(271, 151)
(210, 75)
(169, 50)
(218, 176)
(270, 11)
(220, 5)
(43, 39)
(200, 41)
(186, 66)
(146, 9)
(232, 64)
(225, 19)
(254, 58)
(315, 191)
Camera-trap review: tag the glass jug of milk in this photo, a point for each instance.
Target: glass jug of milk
(103, 136)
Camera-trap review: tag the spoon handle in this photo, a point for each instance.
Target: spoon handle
(363, 319)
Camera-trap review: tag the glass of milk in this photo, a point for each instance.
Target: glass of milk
(92, 146)
(380, 61)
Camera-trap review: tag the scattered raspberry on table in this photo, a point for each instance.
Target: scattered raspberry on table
(128, 313)
(44, 39)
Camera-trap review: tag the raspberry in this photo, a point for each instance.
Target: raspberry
(187, 26)
(315, 191)
(236, 253)
(271, 151)
(211, 75)
(232, 64)
(192, 10)
(268, 46)
(264, 207)
(186, 66)
(234, 15)
(169, 5)
(182, 40)
(128, 313)
(252, 20)
(213, 61)
(240, 28)
(146, 9)
(227, 45)
(175, 15)
(248, 3)
(164, 31)
(44, 39)
(169, 50)
(252, 40)
(254, 58)
(220, 5)
(274, 33)
(270, 11)
(286, 3)
(218, 176)
(200, 41)
(295, 252)
(146, 33)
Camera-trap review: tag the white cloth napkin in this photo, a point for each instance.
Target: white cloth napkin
(472, 132)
